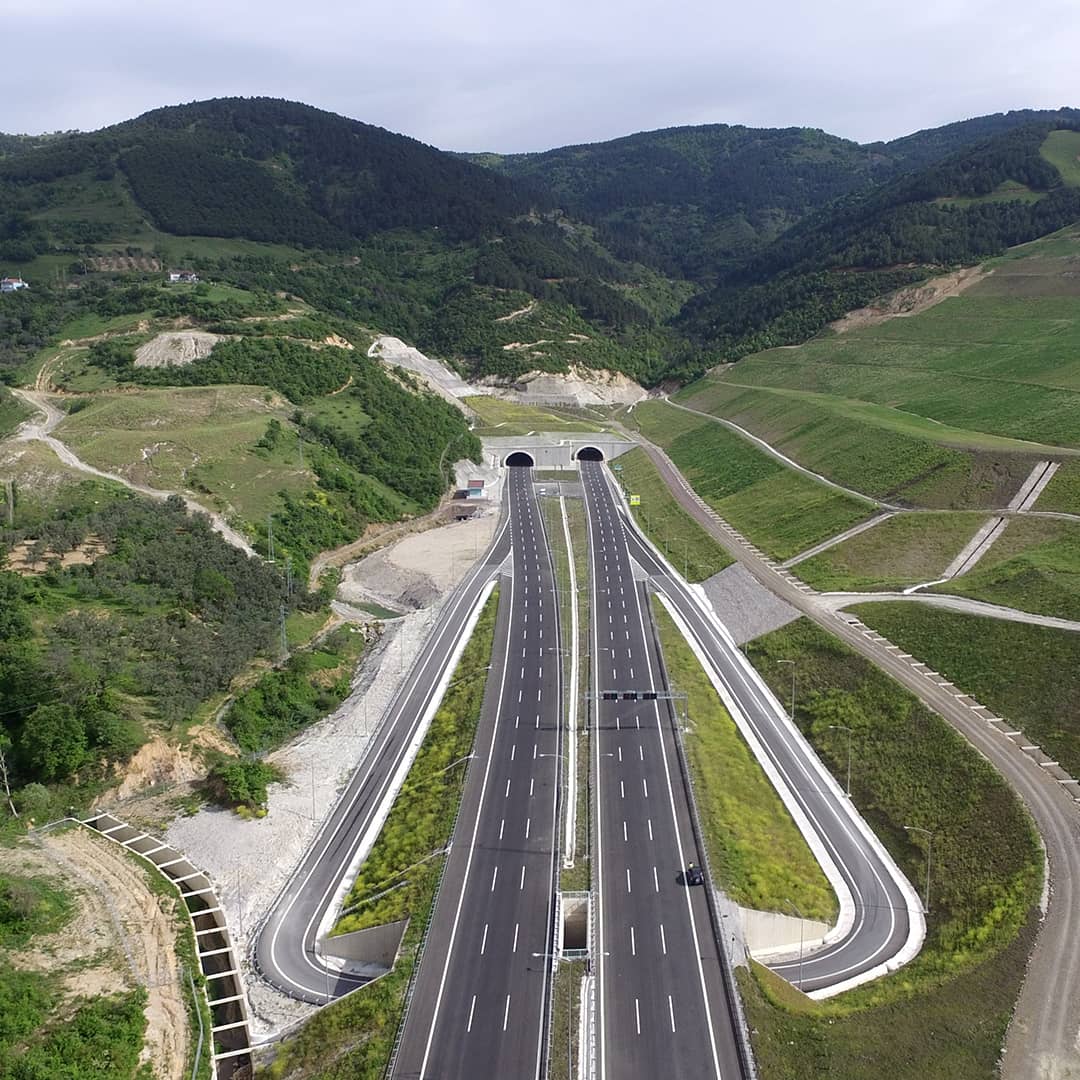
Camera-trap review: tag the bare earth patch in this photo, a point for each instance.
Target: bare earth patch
(176, 348)
(120, 935)
(911, 300)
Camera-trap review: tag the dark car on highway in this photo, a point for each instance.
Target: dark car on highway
(695, 875)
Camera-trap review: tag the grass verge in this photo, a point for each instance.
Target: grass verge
(902, 550)
(1033, 566)
(1030, 674)
(755, 849)
(945, 1013)
(780, 510)
(499, 417)
(689, 547)
(352, 1039)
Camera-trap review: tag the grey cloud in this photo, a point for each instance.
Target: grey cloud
(480, 74)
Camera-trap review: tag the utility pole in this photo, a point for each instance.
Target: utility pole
(792, 663)
(284, 635)
(270, 537)
(844, 727)
(929, 849)
(288, 577)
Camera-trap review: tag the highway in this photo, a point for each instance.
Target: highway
(285, 952)
(662, 1007)
(883, 922)
(480, 1002)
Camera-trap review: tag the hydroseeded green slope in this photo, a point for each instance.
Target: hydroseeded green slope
(781, 510)
(920, 408)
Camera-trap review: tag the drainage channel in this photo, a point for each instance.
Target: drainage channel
(223, 984)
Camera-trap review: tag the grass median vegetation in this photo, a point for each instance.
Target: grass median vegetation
(944, 1014)
(352, 1039)
(755, 849)
(666, 523)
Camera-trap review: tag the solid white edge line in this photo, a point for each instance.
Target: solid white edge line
(916, 917)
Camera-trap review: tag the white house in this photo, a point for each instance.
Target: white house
(183, 277)
(12, 284)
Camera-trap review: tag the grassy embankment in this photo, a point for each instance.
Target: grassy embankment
(352, 1039)
(922, 409)
(12, 412)
(904, 550)
(780, 510)
(1033, 566)
(690, 548)
(1029, 674)
(499, 417)
(755, 849)
(944, 1015)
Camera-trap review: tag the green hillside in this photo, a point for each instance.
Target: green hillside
(949, 408)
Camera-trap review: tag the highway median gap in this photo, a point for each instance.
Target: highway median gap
(399, 880)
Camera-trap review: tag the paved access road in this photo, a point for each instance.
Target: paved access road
(662, 1008)
(285, 952)
(885, 917)
(481, 999)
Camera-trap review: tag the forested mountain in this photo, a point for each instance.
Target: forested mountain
(657, 254)
(974, 203)
(693, 200)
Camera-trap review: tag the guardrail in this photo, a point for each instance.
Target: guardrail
(735, 1008)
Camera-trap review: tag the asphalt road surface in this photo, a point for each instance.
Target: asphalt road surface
(662, 1008)
(481, 1000)
(882, 909)
(285, 951)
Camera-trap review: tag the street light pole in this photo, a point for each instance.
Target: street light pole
(792, 663)
(929, 850)
(844, 727)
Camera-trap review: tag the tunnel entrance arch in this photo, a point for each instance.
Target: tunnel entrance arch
(519, 457)
(590, 453)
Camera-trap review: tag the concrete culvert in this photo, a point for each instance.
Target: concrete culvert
(519, 457)
(590, 453)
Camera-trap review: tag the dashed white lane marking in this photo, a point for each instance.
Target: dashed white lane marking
(628, 889)
(663, 940)
(483, 940)
(507, 795)
(637, 1015)
(472, 1007)
(633, 943)
(650, 829)
(502, 827)
(528, 825)
(517, 927)
(655, 880)
(521, 883)
(671, 1011)
(494, 876)
(624, 832)
(506, 1012)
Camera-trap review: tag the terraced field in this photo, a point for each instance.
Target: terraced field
(904, 550)
(779, 509)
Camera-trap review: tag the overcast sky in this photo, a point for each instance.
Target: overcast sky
(500, 75)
